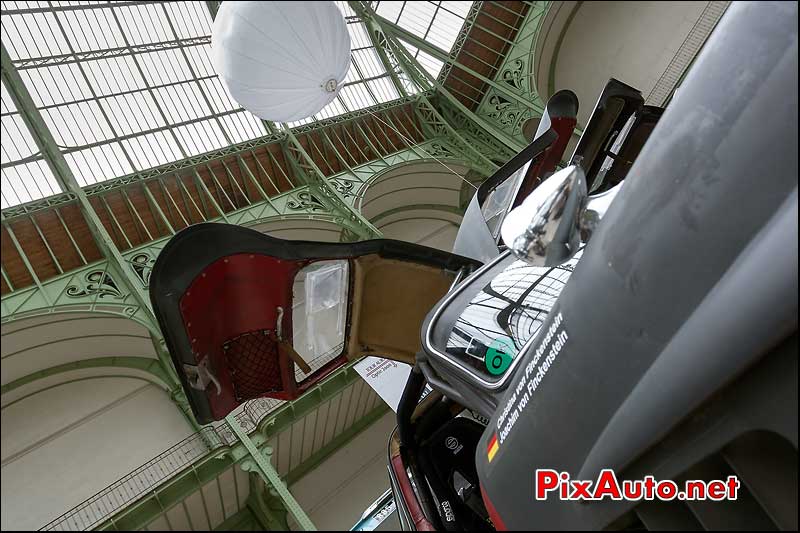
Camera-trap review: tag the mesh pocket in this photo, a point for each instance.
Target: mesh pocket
(254, 364)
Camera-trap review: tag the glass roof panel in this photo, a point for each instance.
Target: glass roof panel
(436, 22)
(25, 176)
(125, 87)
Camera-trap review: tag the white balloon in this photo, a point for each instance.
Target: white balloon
(282, 61)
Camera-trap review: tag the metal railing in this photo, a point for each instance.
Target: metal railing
(251, 415)
(161, 468)
(686, 53)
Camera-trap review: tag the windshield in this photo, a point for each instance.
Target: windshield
(505, 315)
(497, 202)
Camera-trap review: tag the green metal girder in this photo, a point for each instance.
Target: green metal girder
(416, 72)
(388, 46)
(74, 292)
(479, 138)
(61, 171)
(306, 166)
(75, 7)
(290, 412)
(514, 74)
(189, 163)
(270, 475)
(461, 38)
(138, 514)
(93, 288)
(33, 206)
(117, 51)
(430, 115)
(436, 52)
(265, 507)
(58, 164)
(375, 36)
(438, 149)
(90, 289)
(144, 364)
(118, 265)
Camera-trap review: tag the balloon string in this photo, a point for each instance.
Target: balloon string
(411, 143)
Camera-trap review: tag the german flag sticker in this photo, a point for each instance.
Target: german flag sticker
(493, 447)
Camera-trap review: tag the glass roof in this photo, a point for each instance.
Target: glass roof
(435, 22)
(27, 177)
(127, 86)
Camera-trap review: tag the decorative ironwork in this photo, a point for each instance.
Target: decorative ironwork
(98, 282)
(269, 416)
(303, 201)
(343, 187)
(142, 265)
(441, 128)
(486, 144)
(49, 202)
(436, 149)
(161, 468)
(505, 112)
(513, 74)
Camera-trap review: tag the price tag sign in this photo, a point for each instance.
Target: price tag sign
(388, 378)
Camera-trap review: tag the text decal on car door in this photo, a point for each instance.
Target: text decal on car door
(532, 375)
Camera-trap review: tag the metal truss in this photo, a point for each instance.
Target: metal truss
(267, 472)
(438, 53)
(202, 159)
(420, 76)
(115, 264)
(513, 98)
(212, 450)
(442, 129)
(469, 21)
(308, 169)
(106, 53)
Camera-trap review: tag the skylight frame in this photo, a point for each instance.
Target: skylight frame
(129, 86)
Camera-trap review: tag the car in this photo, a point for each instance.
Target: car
(473, 338)
(633, 313)
(641, 324)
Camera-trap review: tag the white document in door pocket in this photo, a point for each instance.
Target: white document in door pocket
(386, 377)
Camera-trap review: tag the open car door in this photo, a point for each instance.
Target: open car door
(247, 315)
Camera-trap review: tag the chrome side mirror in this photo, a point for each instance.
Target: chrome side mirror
(547, 229)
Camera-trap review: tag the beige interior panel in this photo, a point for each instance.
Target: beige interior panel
(390, 300)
